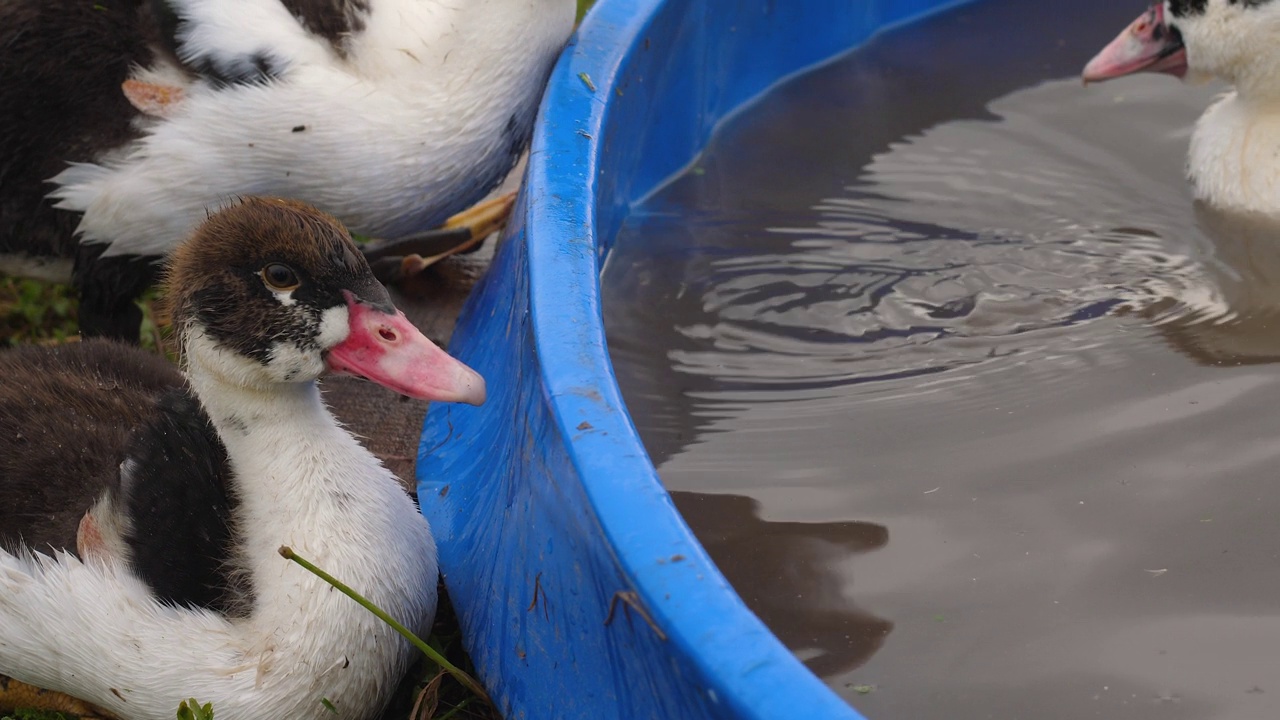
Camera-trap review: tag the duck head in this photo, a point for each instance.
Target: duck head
(270, 292)
(1231, 40)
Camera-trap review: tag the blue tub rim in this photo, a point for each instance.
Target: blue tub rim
(746, 665)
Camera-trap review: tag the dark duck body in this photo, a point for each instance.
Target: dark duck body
(62, 64)
(123, 122)
(69, 428)
(143, 507)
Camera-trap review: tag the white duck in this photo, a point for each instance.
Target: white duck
(390, 114)
(1234, 158)
(177, 590)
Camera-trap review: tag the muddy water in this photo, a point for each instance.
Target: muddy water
(966, 396)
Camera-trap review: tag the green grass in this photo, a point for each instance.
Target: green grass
(35, 312)
(193, 710)
(432, 653)
(41, 313)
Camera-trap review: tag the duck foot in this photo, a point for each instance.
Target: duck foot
(395, 260)
(16, 695)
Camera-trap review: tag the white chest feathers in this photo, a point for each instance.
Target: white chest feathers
(1234, 159)
(93, 630)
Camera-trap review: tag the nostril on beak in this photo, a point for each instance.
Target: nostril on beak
(388, 334)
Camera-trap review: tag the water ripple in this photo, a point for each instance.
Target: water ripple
(966, 248)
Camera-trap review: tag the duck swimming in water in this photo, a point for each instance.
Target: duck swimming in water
(391, 115)
(1233, 159)
(141, 509)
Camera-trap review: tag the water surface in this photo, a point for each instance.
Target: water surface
(972, 403)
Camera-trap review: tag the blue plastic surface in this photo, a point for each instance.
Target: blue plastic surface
(581, 592)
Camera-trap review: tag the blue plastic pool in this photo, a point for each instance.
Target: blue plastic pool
(581, 592)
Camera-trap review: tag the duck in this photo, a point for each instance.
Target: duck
(143, 507)
(1232, 159)
(123, 122)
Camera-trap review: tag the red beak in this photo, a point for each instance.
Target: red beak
(390, 351)
(1147, 45)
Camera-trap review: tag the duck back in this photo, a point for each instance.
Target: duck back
(66, 417)
(62, 63)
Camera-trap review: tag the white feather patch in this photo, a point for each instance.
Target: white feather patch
(412, 126)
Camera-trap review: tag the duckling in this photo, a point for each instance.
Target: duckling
(123, 121)
(142, 508)
(1232, 160)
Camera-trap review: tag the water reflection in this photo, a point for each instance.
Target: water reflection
(1236, 321)
(790, 574)
(740, 275)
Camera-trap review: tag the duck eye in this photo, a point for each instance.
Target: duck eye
(280, 276)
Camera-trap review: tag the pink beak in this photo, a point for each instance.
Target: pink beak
(390, 351)
(1147, 45)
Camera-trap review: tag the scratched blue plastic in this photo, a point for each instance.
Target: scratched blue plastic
(581, 592)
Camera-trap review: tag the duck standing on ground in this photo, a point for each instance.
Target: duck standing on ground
(390, 114)
(1234, 158)
(163, 499)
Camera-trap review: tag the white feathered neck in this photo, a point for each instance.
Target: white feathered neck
(1234, 157)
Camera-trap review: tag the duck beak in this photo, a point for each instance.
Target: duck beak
(386, 348)
(1147, 45)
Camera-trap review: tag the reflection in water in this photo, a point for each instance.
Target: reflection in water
(1238, 320)
(964, 250)
(726, 280)
(789, 574)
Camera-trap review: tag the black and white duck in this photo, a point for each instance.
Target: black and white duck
(141, 509)
(391, 115)
(1232, 160)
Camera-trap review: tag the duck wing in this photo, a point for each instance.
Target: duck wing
(66, 416)
(173, 487)
(110, 428)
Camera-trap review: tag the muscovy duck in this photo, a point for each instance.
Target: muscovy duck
(141, 509)
(1234, 159)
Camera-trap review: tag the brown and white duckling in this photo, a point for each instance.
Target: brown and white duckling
(1232, 161)
(177, 589)
(390, 114)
